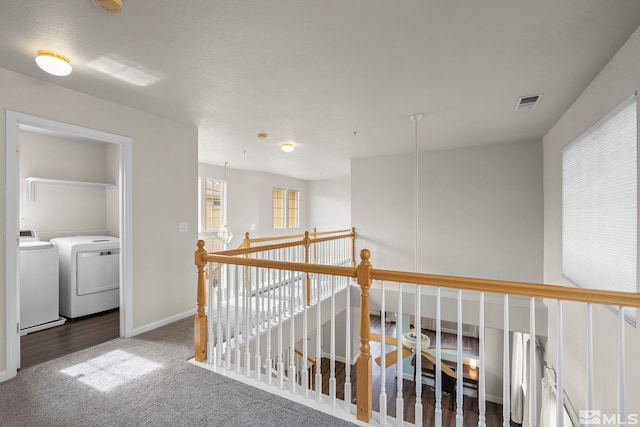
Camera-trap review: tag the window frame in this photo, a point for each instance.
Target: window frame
(285, 209)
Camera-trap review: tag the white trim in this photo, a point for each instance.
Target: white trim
(341, 359)
(14, 121)
(324, 406)
(4, 376)
(162, 322)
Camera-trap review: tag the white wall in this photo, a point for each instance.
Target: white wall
(480, 211)
(618, 80)
(330, 204)
(63, 210)
(249, 201)
(480, 216)
(164, 171)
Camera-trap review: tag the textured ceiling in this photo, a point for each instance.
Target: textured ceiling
(339, 78)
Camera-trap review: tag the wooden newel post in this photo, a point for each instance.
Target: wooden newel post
(200, 320)
(247, 240)
(306, 243)
(364, 369)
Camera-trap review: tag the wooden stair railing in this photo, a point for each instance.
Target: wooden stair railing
(365, 274)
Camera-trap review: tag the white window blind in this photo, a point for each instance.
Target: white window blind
(599, 203)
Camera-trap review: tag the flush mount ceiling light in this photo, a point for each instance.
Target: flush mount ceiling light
(287, 147)
(111, 6)
(53, 63)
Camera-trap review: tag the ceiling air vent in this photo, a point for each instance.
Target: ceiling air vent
(528, 102)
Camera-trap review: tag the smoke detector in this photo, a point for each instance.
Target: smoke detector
(111, 6)
(528, 102)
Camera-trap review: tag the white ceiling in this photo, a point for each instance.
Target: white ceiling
(316, 72)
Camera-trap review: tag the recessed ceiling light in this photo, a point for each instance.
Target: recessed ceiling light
(111, 6)
(53, 63)
(287, 147)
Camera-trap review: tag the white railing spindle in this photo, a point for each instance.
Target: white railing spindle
(482, 405)
(399, 367)
(292, 336)
(559, 385)
(532, 363)
(319, 279)
(347, 364)
(417, 323)
(437, 370)
(459, 368)
(621, 346)
(332, 364)
(383, 362)
(589, 357)
(236, 327)
(506, 373)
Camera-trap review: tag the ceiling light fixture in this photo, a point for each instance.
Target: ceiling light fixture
(287, 147)
(262, 136)
(53, 63)
(111, 6)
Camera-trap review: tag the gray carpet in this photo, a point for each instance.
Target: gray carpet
(143, 381)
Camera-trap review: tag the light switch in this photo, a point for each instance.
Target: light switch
(183, 227)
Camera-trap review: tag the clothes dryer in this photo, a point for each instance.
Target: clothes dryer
(89, 274)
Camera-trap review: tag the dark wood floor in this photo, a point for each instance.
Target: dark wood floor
(470, 404)
(74, 335)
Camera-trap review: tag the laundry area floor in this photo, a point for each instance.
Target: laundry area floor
(73, 336)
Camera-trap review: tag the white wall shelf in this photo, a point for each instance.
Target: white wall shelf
(32, 180)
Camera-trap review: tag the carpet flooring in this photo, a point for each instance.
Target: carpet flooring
(143, 381)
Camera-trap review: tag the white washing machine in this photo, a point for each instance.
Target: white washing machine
(89, 274)
(38, 283)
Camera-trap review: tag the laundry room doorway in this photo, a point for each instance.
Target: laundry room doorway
(65, 181)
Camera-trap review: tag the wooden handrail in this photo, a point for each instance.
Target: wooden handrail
(254, 249)
(283, 265)
(565, 293)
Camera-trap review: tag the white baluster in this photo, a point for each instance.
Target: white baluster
(268, 361)
(347, 356)
(305, 344)
(532, 363)
(228, 348)
(332, 365)
(292, 336)
(559, 385)
(459, 369)
(209, 312)
(236, 328)
(482, 405)
(221, 288)
(417, 323)
(383, 362)
(589, 357)
(319, 278)
(260, 309)
(399, 370)
(506, 373)
(247, 316)
(280, 365)
(621, 360)
(437, 370)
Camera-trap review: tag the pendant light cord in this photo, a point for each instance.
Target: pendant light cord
(415, 119)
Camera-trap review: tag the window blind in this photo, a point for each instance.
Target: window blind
(599, 203)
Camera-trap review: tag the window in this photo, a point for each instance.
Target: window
(292, 208)
(599, 203)
(212, 211)
(286, 208)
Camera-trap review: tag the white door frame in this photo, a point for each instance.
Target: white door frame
(14, 122)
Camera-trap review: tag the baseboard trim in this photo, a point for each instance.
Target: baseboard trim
(494, 399)
(339, 358)
(4, 376)
(162, 322)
